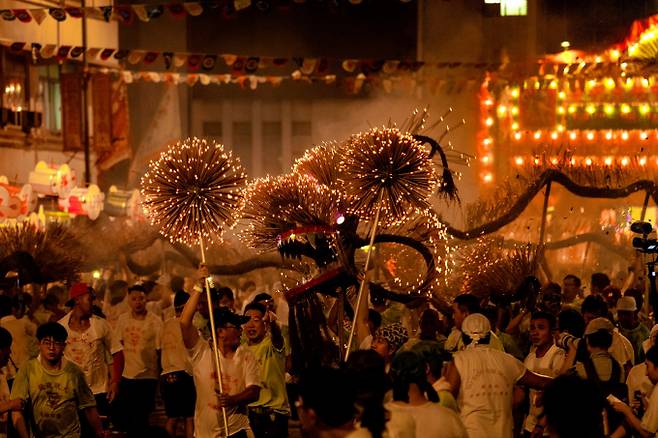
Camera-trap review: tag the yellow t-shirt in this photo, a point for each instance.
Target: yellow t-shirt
(53, 398)
(272, 364)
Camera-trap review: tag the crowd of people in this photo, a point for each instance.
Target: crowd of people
(567, 364)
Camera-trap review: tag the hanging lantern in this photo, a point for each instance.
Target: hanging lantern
(14, 201)
(123, 203)
(83, 202)
(52, 180)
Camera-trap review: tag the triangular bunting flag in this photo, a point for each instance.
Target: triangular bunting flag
(193, 8)
(22, 15)
(141, 13)
(58, 14)
(39, 15)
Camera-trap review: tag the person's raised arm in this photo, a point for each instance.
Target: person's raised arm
(275, 330)
(190, 333)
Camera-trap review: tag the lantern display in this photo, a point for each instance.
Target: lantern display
(83, 201)
(120, 203)
(14, 201)
(52, 180)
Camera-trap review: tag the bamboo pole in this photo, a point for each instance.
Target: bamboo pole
(218, 365)
(373, 232)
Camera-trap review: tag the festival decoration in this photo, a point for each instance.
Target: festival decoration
(190, 193)
(53, 253)
(123, 203)
(145, 12)
(14, 201)
(52, 180)
(86, 201)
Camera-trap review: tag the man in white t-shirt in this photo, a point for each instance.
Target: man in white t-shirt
(240, 374)
(648, 425)
(177, 384)
(482, 380)
(89, 346)
(544, 358)
(23, 332)
(139, 334)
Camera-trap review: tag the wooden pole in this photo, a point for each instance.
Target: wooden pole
(218, 365)
(373, 232)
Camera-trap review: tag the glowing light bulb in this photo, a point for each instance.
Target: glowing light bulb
(561, 110)
(624, 161)
(554, 135)
(590, 136)
(588, 161)
(554, 161)
(519, 161)
(643, 161)
(487, 177)
(515, 126)
(560, 128)
(536, 161)
(517, 136)
(625, 108)
(573, 161)
(608, 161)
(502, 110)
(644, 135)
(537, 135)
(562, 95)
(515, 110)
(609, 109)
(590, 109)
(572, 109)
(644, 109)
(489, 121)
(485, 159)
(609, 84)
(340, 219)
(487, 141)
(96, 275)
(608, 135)
(624, 135)
(488, 102)
(515, 92)
(573, 135)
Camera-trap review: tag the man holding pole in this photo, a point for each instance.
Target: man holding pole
(239, 383)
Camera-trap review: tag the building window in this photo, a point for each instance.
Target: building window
(513, 7)
(272, 146)
(49, 99)
(213, 131)
(301, 138)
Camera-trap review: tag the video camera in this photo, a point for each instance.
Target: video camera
(644, 244)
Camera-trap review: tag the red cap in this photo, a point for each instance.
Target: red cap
(78, 290)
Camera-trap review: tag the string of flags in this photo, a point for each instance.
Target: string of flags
(127, 14)
(238, 64)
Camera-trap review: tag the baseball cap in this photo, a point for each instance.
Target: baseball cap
(476, 326)
(224, 317)
(77, 290)
(626, 304)
(599, 324)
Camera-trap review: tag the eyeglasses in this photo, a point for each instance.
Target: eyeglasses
(52, 343)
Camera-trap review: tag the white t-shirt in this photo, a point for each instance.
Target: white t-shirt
(637, 380)
(174, 354)
(432, 420)
(91, 351)
(485, 395)
(24, 341)
(141, 340)
(238, 373)
(621, 348)
(550, 365)
(650, 418)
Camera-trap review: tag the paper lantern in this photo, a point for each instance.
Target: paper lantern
(52, 180)
(123, 203)
(14, 201)
(83, 202)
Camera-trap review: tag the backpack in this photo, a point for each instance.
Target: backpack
(612, 386)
